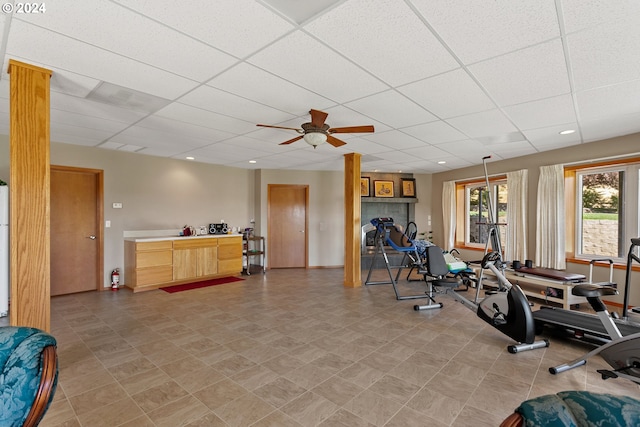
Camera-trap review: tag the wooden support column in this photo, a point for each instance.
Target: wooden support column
(29, 195)
(352, 259)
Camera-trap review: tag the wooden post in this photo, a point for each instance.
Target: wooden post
(352, 259)
(29, 195)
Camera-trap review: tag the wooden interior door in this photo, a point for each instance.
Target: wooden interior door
(287, 225)
(76, 230)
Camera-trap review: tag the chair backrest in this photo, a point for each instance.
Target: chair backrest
(26, 397)
(436, 264)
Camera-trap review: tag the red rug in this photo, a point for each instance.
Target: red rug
(203, 284)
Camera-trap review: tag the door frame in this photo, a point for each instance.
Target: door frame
(99, 210)
(306, 218)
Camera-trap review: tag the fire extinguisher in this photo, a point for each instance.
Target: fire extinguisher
(115, 279)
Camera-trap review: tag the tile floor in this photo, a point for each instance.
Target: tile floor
(293, 348)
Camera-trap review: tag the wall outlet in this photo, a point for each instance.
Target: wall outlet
(117, 206)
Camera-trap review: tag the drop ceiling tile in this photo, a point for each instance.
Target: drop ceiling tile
(605, 55)
(486, 123)
(72, 104)
(511, 149)
(181, 129)
(237, 27)
(167, 136)
(545, 112)
(365, 146)
(340, 116)
(392, 109)
(217, 101)
(467, 149)
(405, 49)
(201, 117)
(480, 30)
(581, 14)
(428, 152)
(84, 121)
(65, 137)
(394, 139)
(60, 128)
(448, 95)
(255, 84)
(310, 64)
(595, 130)
(435, 132)
(261, 147)
(526, 75)
(137, 37)
(609, 101)
(549, 138)
(58, 51)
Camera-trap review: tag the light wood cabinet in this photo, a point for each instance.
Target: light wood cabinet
(153, 264)
(195, 258)
(230, 255)
(148, 262)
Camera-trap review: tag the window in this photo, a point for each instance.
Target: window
(606, 216)
(477, 217)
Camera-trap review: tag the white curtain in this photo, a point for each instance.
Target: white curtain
(449, 213)
(516, 244)
(550, 232)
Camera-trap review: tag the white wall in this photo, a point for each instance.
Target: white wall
(156, 193)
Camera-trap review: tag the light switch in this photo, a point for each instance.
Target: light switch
(117, 206)
(107, 224)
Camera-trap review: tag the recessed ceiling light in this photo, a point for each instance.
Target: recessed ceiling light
(567, 132)
(441, 162)
(190, 158)
(252, 161)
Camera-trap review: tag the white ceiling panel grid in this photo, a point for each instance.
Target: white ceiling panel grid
(440, 80)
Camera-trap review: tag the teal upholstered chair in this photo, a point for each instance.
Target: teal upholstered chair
(28, 375)
(576, 409)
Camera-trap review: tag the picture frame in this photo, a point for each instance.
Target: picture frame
(408, 187)
(383, 189)
(365, 190)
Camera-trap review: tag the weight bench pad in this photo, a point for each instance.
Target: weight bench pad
(550, 273)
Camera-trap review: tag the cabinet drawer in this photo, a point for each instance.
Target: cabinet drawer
(230, 248)
(195, 243)
(152, 246)
(230, 266)
(148, 276)
(154, 258)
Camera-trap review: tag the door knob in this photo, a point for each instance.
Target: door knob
(92, 237)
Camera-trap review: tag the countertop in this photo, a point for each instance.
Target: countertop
(160, 238)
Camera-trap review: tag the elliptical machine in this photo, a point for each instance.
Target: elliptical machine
(507, 311)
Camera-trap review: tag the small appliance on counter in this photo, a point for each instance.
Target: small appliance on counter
(220, 228)
(202, 230)
(188, 230)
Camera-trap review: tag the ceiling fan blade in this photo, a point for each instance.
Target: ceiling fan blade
(335, 141)
(292, 140)
(318, 117)
(279, 127)
(352, 129)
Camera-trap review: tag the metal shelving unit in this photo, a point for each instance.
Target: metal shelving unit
(253, 247)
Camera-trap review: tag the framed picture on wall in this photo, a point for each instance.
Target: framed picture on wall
(383, 189)
(364, 187)
(408, 187)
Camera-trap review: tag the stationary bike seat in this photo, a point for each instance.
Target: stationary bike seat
(590, 290)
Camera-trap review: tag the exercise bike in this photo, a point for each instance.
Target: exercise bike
(508, 311)
(622, 353)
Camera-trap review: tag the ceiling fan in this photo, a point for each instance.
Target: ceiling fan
(317, 132)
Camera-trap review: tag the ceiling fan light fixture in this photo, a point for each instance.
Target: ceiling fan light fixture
(315, 138)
